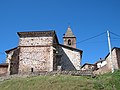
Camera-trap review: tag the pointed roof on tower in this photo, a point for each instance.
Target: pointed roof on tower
(69, 33)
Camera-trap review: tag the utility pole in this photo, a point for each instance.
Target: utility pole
(110, 50)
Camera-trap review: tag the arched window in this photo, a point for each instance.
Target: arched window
(69, 42)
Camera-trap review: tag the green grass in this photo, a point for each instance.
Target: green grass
(109, 81)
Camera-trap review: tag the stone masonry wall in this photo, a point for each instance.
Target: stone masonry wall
(36, 54)
(8, 58)
(110, 64)
(118, 57)
(3, 71)
(37, 58)
(102, 70)
(113, 62)
(73, 41)
(13, 61)
(70, 59)
(35, 41)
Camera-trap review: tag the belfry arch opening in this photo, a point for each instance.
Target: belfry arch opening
(69, 42)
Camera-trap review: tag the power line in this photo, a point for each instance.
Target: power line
(91, 38)
(115, 34)
(115, 38)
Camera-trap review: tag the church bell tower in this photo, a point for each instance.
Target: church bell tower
(69, 38)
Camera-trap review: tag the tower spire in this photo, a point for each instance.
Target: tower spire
(69, 38)
(69, 32)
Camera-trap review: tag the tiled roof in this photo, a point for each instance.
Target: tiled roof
(7, 51)
(71, 48)
(4, 65)
(49, 33)
(88, 64)
(36, 33)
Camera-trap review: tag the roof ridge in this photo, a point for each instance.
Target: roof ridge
(70, 47)
(37, 31)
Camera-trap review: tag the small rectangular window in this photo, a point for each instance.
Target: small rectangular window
(31, 69)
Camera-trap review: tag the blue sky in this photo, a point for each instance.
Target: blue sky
(87, 18)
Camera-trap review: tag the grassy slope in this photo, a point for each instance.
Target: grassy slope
(105, 82)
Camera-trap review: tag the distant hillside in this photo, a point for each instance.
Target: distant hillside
(107, 81)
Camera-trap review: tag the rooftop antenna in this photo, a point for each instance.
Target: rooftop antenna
(110, 50)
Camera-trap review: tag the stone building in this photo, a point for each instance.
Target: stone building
(101, 63)
(40, 51)
(88, 66)
(107, 64)
(3, 69)
(69, 38)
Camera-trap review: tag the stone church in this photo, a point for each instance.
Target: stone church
(40, 51)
